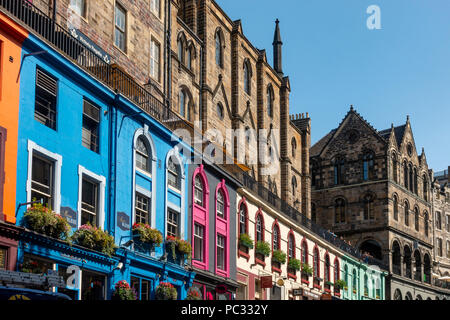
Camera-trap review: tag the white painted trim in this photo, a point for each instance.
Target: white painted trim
(144, 131)
(57, 161)
(176, 154)
(144, 191)
(101, 180)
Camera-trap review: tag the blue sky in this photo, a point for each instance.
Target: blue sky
(333, 60)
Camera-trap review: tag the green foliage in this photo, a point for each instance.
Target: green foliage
(95, 239)
(279, 256)
(294, 264)
(123, 291)
(246, 241)
(193, 295)
(166, 291)
(178, 245)
(306, 269)
(147, 234)
(43, 220)
(263, 248)
(341, 284)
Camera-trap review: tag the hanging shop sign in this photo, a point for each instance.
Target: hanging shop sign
(70, 215)
(123, 221)
(266, 282)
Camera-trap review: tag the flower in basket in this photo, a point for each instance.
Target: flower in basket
(245, 240)
(341, 284)
(263, 248)
(94, 238)
(43, 220)
(306, 269)
(184, 247)
(146, 234)
(279, 256)
(193, 294)
(166, 291)
(294, 264)
(123, 291)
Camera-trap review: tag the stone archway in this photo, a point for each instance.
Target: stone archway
(372, 247)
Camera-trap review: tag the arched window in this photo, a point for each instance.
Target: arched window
(411, 180)
(396, 260)
(427, 268)
(366, 285)
(247, 77)
(218, 49)
(220, 111)
(276, 238)
(368, 167)
(415, 181)
(405, 174)
(406, 214)
(293, 147)
(395, 204)
(181, 50)
(220, 207)
(337, 270)
(354, 281)
(416, 219)
(291, 245)
(425, 225)
(270, 100)
(259, 228)
(294, 185)
(339, 210)
(407, 261)
(189, 58)
(185, 105)
(425, 188)
(339, 171)
(327, 268)
(346, 276)
(314, 172)
(243, 219)
(143, 155)
(304, 252)
(199, 192)
(369, 213)
(316, 262)
(394, 168)
(173, 174)
(418, 265)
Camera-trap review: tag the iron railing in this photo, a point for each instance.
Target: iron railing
(298, 218)
(61, 39)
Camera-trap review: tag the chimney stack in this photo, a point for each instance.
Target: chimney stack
(277, 50)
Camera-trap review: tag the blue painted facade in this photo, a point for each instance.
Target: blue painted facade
(112, 168)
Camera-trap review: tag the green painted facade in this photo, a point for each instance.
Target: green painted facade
(364, 282)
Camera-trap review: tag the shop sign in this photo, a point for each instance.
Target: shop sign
(221, 289)
(266, 282)
(311, 295)
(297, 292)
(123, 221)
(70, 216)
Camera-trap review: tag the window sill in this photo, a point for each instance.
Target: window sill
(144, 173)
(275, 269)
(292, 276)
(243, 254)
(260, 262)
(305, 282)
(221, 273)
(327, 290)
(317, 287)
(200, 265)
(173, 189)
(337, 294)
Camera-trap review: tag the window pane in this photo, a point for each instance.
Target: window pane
(142, 209)
(3, 259)
(42, 181)
(172, 223)
(220, 206)
(199, 232)
(89, 205)
(220, 252)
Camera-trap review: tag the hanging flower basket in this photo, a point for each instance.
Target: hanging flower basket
(193, 294)
(306, 269)
(43, 220)
(123, 291)
(279, 256)
(294, 264)
(95, 239)
(166, 291)
(178, 250)
(263, 248)
(145, 237)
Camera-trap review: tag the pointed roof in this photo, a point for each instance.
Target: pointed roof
(398, 132)
(277, 35)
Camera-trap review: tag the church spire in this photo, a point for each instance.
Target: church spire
(277, 52)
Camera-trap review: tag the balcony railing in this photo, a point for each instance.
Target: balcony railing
(61, 39)
(298, 218)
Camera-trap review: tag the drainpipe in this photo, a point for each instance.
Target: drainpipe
(54, 12)
(113, 164)
(200, 98)
(168, 54)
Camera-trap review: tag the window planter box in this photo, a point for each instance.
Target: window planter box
(305, 281)
(317, 286)
(243, 249)
(354, 291)
(337, 294)
(327, 290)
(275, 269)
(144, 247)
(292, 276)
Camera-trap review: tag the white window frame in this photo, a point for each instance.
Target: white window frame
(101, 180)
(153, 177)
(154, 10)
(174, 153)
(155, 61)
(57, 162)
(146, 193)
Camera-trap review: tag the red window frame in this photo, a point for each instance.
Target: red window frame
(2, 168)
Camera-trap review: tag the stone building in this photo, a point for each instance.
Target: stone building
(441, 212)
(373, 188)
(190, 55)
